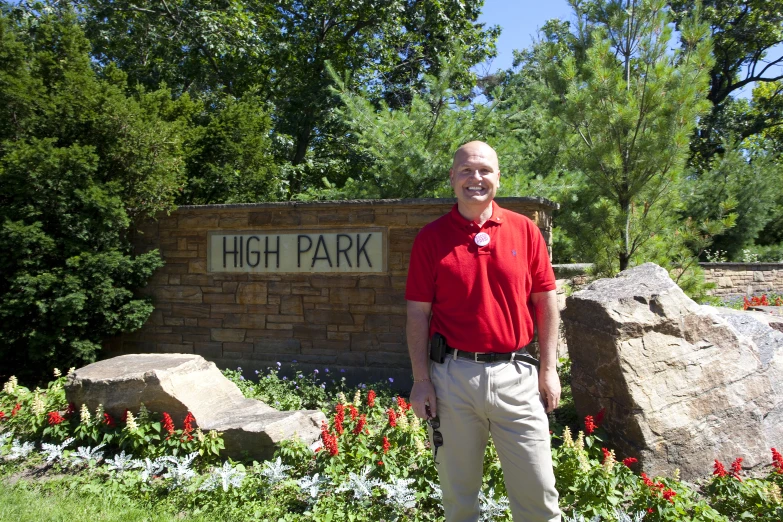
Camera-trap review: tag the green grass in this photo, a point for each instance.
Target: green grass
(56, 501)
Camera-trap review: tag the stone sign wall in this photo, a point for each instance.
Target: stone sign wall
(735, 280)
(321, 284)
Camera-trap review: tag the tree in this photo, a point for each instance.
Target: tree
(280, 51)
(79, 159)
(630, 107)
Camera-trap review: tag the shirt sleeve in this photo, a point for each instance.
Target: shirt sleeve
(420, 285)
(543, 277)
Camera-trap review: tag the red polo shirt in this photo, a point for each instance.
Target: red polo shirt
(480, 294)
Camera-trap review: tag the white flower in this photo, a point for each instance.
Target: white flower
(360, 484)
(149, 468)
(87, 456)
(10, 386)
(312, 485)
(20, 450)
(4, 437)
(54, 452)
(491, 508)
(130, 422)
(84, 414)
(37, 405)
(580, 518)
(399, 494)
(57, 373)
(275, 472)
(122, 462)
(71, 371)
(99, 412)
(178, 469)
(227, 476)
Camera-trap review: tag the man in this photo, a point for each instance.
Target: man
(480, 276)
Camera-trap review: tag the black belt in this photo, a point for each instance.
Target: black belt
(490, 357)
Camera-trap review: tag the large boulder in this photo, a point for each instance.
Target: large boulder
(182, 383)
(682, 384)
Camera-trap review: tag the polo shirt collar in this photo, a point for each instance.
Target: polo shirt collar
(496, 219)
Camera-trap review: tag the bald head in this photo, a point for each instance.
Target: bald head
(475, 149)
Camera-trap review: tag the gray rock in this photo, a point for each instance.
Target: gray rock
(182, 383)
(682, 384)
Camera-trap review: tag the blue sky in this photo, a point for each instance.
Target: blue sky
(520, 21)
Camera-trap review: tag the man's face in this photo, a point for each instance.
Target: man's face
(475, 175)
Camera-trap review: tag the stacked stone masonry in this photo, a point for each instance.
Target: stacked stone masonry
(341, 321)
(735, 280)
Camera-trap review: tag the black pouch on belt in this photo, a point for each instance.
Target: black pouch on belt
(438, 348)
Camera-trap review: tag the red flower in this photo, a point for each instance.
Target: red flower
(339, 418)
(54, 418)
(2, 415)
(353, 411)
(669, 495)
(188, 426)
(125, 416)
(329, 440)
(719, 469)
(108, 420)
(650, 510)
(71, 409)
(380, 463)
(392, 417)
(16, 409)
(386, 445)
(629, 461)
(736, 467)
(404, 406)
(360, 425)
(646, 480)
(599, 417)
(168, 424)
(371, 398)
(777, 460)
(606, 453)
(589, 425)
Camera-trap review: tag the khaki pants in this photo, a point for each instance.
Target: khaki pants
(474, 400)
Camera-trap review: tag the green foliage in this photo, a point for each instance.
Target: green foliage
(79, 160)
(745, 499)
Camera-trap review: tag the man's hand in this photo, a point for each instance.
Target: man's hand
(549, 388)
(423, 395)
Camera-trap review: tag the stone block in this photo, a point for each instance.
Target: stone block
(388, 360)
(178, 294)
(219, 298)
(244, 321)
(238, 347)
(309, 331)
(328, 317)
(365, 296)
(381, 281)
(333, 281)
(235, 335)
(376, 323)
(758, 277)
(279, 288)
(291, 305)
(252, 293)
(289, 319)
(362, 342)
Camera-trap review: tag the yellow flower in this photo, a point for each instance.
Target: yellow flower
(71, 371)
(580, 441)
(130, 422)
(677, 474)
(199, 435)
(774, 493)
(419, 445)
(357, 398)
(402, 418)
(568, 440)
(584, 465)
(57, 373)
(342, 399)
(416, 423)
(84, 414)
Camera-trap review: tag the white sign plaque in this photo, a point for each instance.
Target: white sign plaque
(349, 251)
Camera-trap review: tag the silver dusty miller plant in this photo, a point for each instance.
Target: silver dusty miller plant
(275, 472)
(491, 508)
(178, 469)
(20, 450)
(122, 463)
(149, 468)
(86, 456)
(226, 477)
(312, 486)
(54, 452)
(360, 484)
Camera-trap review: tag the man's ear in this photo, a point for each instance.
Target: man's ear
(451, 177)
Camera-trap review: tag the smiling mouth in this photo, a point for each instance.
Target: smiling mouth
(475, 190)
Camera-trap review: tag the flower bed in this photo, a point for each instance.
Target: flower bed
(372, 462)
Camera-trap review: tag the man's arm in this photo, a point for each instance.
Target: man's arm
(418, 326)
(548, 322)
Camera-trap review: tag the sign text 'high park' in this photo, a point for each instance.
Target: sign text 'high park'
(343, 251)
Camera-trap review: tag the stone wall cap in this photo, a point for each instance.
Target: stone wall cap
(365, 202)
(742, 265)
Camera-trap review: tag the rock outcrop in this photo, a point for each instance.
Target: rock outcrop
(682, 384)
(179, 383)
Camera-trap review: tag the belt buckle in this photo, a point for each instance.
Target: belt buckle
(475, 356)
